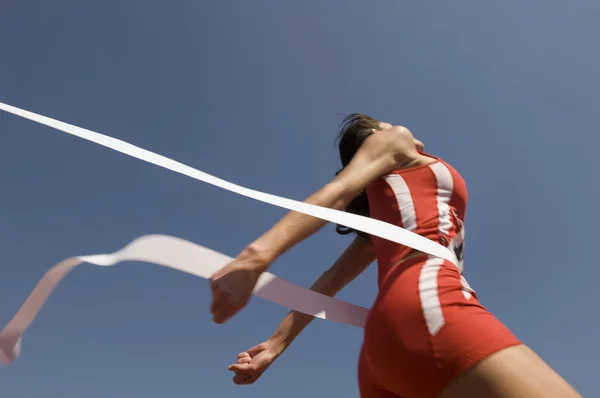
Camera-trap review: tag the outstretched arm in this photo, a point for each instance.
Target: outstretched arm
(252, 363)
(379, 154)
(355, 259)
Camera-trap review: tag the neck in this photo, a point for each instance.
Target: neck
(414, 160)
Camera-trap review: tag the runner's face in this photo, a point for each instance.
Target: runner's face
(418, 144)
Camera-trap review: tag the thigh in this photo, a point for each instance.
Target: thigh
(515, 372)
(367, 384)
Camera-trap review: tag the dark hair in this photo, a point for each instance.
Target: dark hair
(354, 130)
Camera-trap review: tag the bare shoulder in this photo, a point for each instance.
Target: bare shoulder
(387, 150)
(396, 142)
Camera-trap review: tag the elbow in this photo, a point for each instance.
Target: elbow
(331, 282)
(343, 193)
(330, 277)
(337, 279)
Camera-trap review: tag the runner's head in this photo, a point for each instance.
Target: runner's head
(354, 131)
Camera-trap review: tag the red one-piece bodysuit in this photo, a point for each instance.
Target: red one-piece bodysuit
(426, 325)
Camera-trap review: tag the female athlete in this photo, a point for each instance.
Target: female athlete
(426, 334)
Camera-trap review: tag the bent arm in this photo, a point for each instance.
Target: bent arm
(376, 157)
(355, 259)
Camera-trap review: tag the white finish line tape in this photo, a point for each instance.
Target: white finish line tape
(183, 256)
(197, 260)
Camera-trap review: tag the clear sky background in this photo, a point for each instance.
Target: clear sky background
(507, 92)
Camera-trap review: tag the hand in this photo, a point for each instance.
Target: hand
(252, 364)
(232, 287)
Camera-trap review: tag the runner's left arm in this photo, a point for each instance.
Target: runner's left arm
(355, 259)
(352, 262)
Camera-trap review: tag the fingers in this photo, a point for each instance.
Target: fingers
(241, 379)
(232, 288)
(257, 349)
(224, 312)
(219, 297)
(223, 305)
(244, 359)
(242, 368)
(243, 363)
(246, 371)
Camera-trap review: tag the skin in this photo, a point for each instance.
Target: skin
(389, 149)
(354, 260)
(515, 372)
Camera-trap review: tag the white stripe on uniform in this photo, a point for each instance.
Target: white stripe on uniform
(428, 293)
(404, 200)
(445, 185)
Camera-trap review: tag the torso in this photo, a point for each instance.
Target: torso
(429, 199)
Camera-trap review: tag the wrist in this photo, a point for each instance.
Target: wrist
(257, 256)
(277, 344)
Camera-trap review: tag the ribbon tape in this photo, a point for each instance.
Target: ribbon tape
(191, 258)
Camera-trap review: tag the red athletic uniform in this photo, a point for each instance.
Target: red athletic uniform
(426, 325)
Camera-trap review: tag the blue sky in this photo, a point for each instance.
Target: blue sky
(252, 92)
